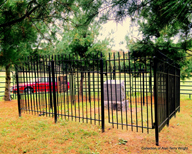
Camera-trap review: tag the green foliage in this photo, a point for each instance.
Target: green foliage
(28, 25)
(161, 23)
(84, 43)
(14, 37)
(81, 43)
(122, 141)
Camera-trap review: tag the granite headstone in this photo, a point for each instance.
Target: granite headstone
(114, 95)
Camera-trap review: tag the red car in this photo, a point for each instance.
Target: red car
(40, 85)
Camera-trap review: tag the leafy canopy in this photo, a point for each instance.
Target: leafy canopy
(165, 25)
(27, 25)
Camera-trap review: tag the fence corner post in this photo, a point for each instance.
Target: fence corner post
(102, 96)
(156, 101)
(18, 92)
(54, 95)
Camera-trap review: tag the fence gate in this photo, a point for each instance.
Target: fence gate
(127, 92)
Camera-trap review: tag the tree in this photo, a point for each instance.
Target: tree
(160, 23)
(81, 43)
(13, 40)
(25, 23)
(85, 45)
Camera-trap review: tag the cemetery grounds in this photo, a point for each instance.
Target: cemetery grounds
(34, 134)
(39, 134)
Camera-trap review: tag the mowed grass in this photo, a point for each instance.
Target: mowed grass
(137, 114)
(34, 134)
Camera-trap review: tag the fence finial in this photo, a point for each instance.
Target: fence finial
(101, 55)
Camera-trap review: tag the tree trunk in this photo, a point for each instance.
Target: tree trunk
(7, 96)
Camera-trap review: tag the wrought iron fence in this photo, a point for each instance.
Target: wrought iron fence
(115, 89)
(167, 91)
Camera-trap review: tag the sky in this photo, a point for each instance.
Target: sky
(120, 30)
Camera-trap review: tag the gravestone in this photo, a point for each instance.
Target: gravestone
(114, 95)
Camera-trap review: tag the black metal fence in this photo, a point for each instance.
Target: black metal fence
(100, 90)
(167, 91)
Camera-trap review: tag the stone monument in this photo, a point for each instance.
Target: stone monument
(114, 95)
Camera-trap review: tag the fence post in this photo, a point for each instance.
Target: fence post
(49, 68)
(54, 95)
(113, 72)
(156, 101)
(175, 88)
(179, 88)
(18, 93)
(167, 93)
(12, 81)
(102, 96)
(143, 86)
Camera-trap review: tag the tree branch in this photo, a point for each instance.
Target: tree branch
(20, 19)
(42, 34)
(3, 3)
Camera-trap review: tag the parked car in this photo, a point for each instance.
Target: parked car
(40, 85)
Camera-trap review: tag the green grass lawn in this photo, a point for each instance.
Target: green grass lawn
(38, 134)
(83, 108)
(34, 134)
